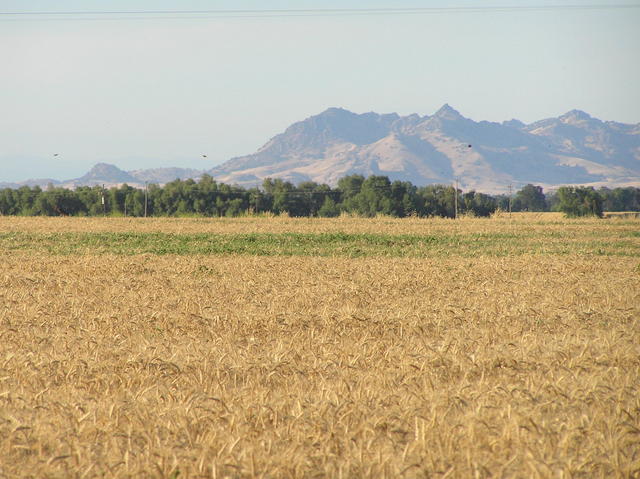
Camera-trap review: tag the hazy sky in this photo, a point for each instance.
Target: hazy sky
(156, 90)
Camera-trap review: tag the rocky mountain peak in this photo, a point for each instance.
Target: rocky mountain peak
(446, 112)
(575, 116)
(104, 169)
(335, 111)
(337, 125)
(105, 172)
(513, 123)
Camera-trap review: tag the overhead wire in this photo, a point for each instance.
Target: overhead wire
(268, 13)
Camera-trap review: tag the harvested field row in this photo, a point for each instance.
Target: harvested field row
(533, 223)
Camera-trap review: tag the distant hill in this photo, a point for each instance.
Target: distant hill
(110, 175)
(32, 182)
(572, 149)
(164, 175)
(104, 173)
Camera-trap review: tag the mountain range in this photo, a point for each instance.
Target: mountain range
(110, 175)
(574, 148)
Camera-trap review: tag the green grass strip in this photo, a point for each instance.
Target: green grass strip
(313, 244)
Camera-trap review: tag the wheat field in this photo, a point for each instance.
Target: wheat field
(481, 362)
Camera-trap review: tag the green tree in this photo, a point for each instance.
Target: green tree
(26, 198)
(58, 202)
(404, 199)
(374, 197)
(438, 200)
(8, 202)
(478, 204)
(284, 196)
(235, 207)
(531, 198)
(620, 199)
(350, 186)
(579, 201)
(329, 208)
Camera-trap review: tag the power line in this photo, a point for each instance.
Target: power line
(266, 13)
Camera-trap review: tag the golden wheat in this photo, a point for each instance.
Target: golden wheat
(232, 366)
(534, 222)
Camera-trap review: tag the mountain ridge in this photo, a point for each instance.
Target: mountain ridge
(573, 148)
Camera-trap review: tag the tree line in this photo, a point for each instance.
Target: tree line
(353, 194)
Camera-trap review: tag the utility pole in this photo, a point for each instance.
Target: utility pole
(510, 193)
(104, 205)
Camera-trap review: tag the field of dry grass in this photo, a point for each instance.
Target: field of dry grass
(543, 223)
(298, 365)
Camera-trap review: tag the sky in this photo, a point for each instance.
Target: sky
(152, 90)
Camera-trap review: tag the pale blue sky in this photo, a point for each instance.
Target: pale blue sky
(163, 91)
